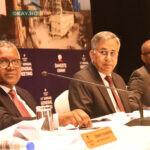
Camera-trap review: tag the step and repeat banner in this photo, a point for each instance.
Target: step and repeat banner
(59, 62)
(52, 36)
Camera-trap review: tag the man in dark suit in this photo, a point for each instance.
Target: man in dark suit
(139, 82)
(97, 100)
(17, 104)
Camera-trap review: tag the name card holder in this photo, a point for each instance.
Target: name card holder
(98, 137)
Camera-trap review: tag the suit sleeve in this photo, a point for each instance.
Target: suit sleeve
(136, 87)
(7, 119)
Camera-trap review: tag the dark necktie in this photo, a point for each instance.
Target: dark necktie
(20, 106)
(118, 101)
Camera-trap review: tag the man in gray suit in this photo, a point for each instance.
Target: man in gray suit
(139, 82)
(97, 100)
(17, 104)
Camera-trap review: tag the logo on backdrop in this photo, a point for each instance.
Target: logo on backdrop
(60, 60)
(60, 66)
(26, 67)
(46, 99)
(83, 62)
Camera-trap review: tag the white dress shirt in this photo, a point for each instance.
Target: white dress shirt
(110, 92)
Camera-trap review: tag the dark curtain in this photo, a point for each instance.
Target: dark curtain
(130, 20)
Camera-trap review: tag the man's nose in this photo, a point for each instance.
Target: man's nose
(108, 56)
(10, 65)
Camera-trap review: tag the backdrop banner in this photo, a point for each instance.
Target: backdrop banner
(60, 62)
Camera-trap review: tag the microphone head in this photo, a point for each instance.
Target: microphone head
(44, 73)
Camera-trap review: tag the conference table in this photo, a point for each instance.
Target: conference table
(70, 138)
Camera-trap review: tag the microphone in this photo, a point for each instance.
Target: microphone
(135, 122)
(45, 73)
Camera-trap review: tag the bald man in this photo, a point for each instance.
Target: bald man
(139, 82)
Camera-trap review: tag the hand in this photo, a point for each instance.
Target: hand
(76, 117)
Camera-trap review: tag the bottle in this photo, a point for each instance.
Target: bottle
(13, 143)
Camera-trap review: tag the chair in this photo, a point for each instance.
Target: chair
(61, 102)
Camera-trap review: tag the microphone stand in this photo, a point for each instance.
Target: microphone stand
(140, 121)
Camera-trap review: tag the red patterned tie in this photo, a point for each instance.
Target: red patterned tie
(109, 80)
(20, 106)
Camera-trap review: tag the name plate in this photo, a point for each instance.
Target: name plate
(98, 137)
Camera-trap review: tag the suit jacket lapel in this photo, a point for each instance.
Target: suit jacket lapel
(8, 103)
(102, 90)
(106, 96)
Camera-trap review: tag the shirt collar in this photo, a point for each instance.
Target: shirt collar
(6, 89)
(103, 75)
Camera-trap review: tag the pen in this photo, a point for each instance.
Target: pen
(84, 128)
(99, 120)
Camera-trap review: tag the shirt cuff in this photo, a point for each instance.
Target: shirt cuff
(56, 121)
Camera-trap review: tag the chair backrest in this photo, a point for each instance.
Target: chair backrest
(61, 102)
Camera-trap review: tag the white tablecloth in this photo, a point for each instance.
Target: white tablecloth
(128, 138)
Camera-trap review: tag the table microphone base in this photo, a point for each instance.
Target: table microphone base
(139, 122)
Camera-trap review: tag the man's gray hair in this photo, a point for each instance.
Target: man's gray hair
(8, 44)
(104, 35)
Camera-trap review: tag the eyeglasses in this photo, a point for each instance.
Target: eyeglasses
(145, 53)
(4, 63)
(104, 52)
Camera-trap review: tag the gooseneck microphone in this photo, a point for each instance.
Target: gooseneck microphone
(45, 73)
(136, 122)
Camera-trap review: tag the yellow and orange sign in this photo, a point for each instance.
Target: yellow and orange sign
(99, 137)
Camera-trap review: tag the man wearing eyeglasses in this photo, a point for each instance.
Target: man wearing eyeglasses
(17, 104)
(98, 100)
(139, 82)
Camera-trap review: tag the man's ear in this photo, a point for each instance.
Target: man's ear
(143, 58)
(92, 53)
